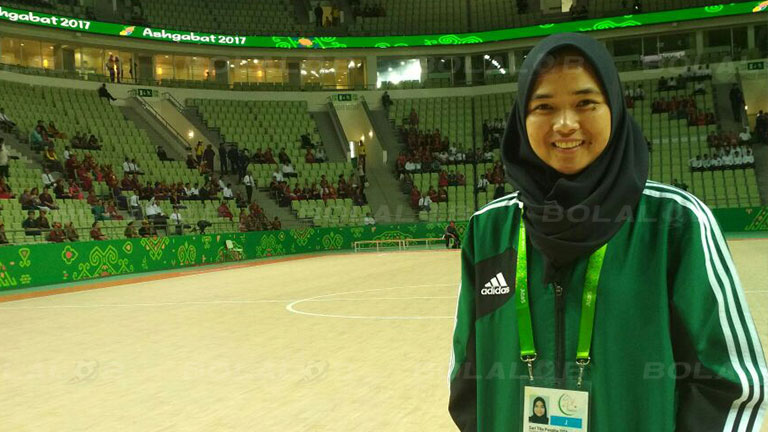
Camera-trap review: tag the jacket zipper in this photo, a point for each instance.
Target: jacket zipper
(559, 336)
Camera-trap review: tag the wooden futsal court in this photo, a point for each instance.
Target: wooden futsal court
(347, 342)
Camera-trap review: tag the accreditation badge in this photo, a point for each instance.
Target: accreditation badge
(555, 410)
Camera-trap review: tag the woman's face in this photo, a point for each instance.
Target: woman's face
(538, 409)
(568, 118)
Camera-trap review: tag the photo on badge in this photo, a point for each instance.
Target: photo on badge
(555, 410)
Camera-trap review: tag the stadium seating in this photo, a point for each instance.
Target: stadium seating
(675, 143)
(263, 17)
(275, 125)
(408, 17)
(276, 17)
(74, 110)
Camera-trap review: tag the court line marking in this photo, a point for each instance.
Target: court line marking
(291, 307)
(215, 302)
(8, 296)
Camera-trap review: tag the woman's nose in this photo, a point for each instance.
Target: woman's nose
(566, 122)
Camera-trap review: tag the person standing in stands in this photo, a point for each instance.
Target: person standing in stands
(110, 65)
(223, 157)
(233, 157)
(3, 159)
(318, 15)
(361, 151)
(208, 156)
(737, 102)
(249, 183)
(199, 150)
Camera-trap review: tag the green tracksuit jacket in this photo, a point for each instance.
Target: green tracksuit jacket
(674, 345)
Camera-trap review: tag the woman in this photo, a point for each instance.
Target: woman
(5, 189)
(130, 231)
(71, 232)
(672, 345)
(539, 414)
(96, 233)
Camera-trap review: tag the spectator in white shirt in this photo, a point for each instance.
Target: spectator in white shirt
(320, 155)
(288, 170)
(695, 163)
(6, 123)
(152, 209)
(135, 167)
(727, 159)
(442, 156)
(277, 175)
(226, 192)
(749, 159)
(3, 159)
(127, 166)
(67, 153)
(706, 163)
(745, 136)
(48, 179)
(249, 184)
(177, 222)
(482, 184)
(424, 202)
(368, 219)
(717, 162)
(133, 204)
(194, 192)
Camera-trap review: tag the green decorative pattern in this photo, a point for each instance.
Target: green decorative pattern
(187, 254)
(62, 262)
(309, 42)
(69, 254)
(24, 254)
(155, 246)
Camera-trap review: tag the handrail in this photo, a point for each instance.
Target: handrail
(339, 131)
(179, 106)
(160, 118)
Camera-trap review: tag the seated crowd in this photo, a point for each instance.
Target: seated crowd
(352, 187)
(729, 157)
(76, 180)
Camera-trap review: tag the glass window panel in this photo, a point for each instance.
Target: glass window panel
(182, 67)
(31, 55)
(201, 66)
(717, 38)
(626, 47)
(739, 39)
(163, 67)
(276, 71)
(89, 60)
(675, 42)
(11, 51)
(48, 56)
(397, 70)
(761, 38)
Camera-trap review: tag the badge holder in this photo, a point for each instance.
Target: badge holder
(547, 408)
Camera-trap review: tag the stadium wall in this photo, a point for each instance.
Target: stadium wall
(56, 263)
(33, 265)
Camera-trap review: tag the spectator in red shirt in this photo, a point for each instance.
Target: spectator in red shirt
(96, 233)
(224, 211)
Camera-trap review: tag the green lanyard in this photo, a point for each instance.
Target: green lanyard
(587, 322)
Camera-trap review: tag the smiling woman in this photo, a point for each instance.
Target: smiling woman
(568, 117)
(629, 308)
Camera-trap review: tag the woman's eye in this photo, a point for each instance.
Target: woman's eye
(586, 102)
(541, 107)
